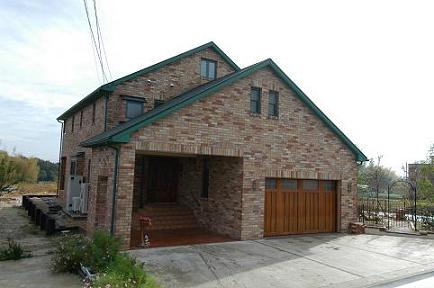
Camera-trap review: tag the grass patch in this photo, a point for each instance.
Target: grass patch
(40, 188)
(13, 251)
(125, 271)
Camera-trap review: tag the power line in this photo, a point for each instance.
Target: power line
(98, 30)
(97, 41)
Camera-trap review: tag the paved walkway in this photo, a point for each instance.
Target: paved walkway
(327, 260)
(34, 271)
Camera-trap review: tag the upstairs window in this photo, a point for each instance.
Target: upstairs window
(273, 104)
(81, 119)
(158, 102)
(255, 100)
(208, 69)
(72, 123)
(134, 108)
(93, 112)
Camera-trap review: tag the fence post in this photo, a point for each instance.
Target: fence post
(388, 207)
(415, 208)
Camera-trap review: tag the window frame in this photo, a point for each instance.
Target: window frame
(159, 101)
(73, 123)
(73, 167)
(81, 119)
(207, 70)
(258, 106)
(136, 100)
(274, 112)
(93, 112)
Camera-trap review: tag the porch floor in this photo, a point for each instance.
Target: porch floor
(178, 237)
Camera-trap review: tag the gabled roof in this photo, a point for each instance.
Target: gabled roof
(122, 133)
(111, 86)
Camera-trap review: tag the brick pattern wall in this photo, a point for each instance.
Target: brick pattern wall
(73, 137)
(100, 194)
(221, 211)
(296, 145)
(163, 84)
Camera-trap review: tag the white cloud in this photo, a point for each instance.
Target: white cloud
(368, 65)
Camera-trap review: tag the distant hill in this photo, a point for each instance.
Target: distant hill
(47, 170)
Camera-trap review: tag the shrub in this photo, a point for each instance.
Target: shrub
(102, 250)
(124, 271)
(14, 251)
(70, 252)
(101, 255)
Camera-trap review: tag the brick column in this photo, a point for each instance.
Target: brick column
(124, 197)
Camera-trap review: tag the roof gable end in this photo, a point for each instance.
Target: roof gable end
(111, 86)
(121, 134)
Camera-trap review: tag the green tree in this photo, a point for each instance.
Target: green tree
(374, 178)
(47, 170)
(15, 169)
(8, 173)
(425, 176)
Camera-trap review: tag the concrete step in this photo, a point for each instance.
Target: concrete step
(169, 216)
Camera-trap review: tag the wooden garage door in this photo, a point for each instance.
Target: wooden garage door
(294, 206)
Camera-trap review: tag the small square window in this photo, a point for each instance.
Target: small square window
(273, 103)
(255, 100)
(134, 108)
(158, 102)
(208, 69)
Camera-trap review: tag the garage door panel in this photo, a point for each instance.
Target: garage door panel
(299, 206)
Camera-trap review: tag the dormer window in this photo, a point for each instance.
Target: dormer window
(134, 108)
(208, 69)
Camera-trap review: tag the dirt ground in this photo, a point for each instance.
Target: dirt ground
(33, 271)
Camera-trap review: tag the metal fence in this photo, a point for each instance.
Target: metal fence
(395, 214)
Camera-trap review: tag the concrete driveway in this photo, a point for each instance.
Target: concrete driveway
(327, 260)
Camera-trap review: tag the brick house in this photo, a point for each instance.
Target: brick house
(195, 141)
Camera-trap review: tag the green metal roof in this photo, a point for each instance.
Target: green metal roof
(111, 86)
(122, 133)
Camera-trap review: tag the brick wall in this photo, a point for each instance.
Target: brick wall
(165, 83)
(73, 137)
(221, 211)
(296, 145)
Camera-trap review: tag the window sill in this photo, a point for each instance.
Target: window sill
(273, 117)
(255, 114)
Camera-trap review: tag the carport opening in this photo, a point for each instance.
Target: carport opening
(189, 199)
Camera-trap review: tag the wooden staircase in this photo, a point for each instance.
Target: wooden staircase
(168, 216)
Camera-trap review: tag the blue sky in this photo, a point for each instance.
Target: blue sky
(369, 65)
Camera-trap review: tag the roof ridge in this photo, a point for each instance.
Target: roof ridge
(111, 86)
(121, 133)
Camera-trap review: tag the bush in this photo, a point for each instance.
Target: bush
(124, 271)
(101, 255)
(102, 251)
(70, 252)
(14, 251)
